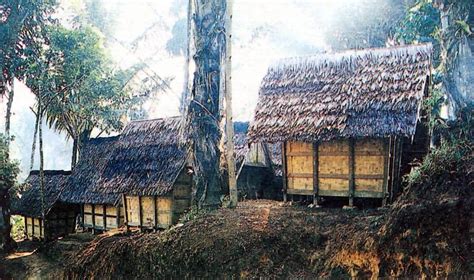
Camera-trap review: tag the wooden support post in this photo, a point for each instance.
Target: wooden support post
(26, 226)
(315, 174)
(32, 227)
(386, 151)
(283, 162)
(393, 152)
(155, 213)
(93, 218)
(140, 212)
(125, 210)
(351, 172)
(104, 216)
(41, 221)
(117, 212)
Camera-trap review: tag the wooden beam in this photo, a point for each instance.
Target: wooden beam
(140, 212)
(315, 173)
(351, 172)
(104, 216)
(155, 213)
(93, 218)
(41, 221)
(26, 226)
(117, 218)
(386, 159)
(125, 210)
(284, 177)
(32, 227)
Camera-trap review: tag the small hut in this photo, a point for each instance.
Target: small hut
(60, 218)
(100, 210)
(348, 122)
(150, 168)
(253, 165)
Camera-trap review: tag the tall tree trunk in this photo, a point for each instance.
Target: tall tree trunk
(8, 114)
(203, 112)
(228, 110)
(6, 242)
(186, 86)
(33, 145)
(41, 158)
(75, 150)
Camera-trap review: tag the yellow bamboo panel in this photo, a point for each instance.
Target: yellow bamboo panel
(148, 214)
(111, 210)
(111, 222)
(165, 211)
(334, 165)
(372, 185)
(369, 145)
(334, 146)
(133, 210)
(299, 147)
(369, 165)
(88, 208)
(330, 184)
(88, 219)
(99, 220)
(300, 164)
(300, 183)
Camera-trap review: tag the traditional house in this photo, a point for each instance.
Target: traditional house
(100, 210)
(148, 169)
(348, 122)
(59, 219)
(253, 165)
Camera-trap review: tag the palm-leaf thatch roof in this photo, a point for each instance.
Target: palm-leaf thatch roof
(29, 202)
(146, 160)
(82, 184)
(373, 92)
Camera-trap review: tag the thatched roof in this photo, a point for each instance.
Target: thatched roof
(29, 202)
(241, 146)
(373, 92)
(146, 159)
(82, 184)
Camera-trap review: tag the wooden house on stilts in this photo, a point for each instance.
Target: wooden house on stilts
(59, 218)
(149, 169)
(348, 122)
(100, 210)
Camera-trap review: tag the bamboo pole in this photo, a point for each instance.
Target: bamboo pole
(228, 108)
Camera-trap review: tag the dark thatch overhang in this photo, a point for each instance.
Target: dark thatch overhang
(366, 93)
(146, 160)
(83, 183)
(29, 201)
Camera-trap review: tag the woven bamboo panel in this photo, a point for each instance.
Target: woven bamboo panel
(372, 185)
(111, 210)
(300, 183)
(299, 147)
(88, 208)
(334, 146)
(165, 211)
(148, 214)
(99, 220)
(369, 165)
(333, 165)
(133, 210)
(111, 222)
(99, 209)
(87, 220)
(366, 145)
(330, 184)
(37, 232)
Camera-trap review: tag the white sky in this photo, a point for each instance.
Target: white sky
(263, 31)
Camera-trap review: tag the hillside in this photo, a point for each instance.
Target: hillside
(426, 232)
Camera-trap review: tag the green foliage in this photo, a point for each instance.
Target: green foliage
(433, 105)
(419, 24)
(18, 227)
(22, 28)
(456, 145)
(8, 169)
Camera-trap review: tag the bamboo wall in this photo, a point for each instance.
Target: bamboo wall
(158, 212)
(102, 216)
(346, 168)
(58, 223)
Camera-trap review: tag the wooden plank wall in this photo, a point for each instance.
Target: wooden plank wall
(34, 227)
(158, 212)
(102, 216)
(345, 168)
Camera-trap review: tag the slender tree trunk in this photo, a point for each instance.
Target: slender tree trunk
(228, 112)
(8, 114)
(186, 87)
(33, 145)
(41, 158)
(75, 150)
(7, 243)
(204, 113)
